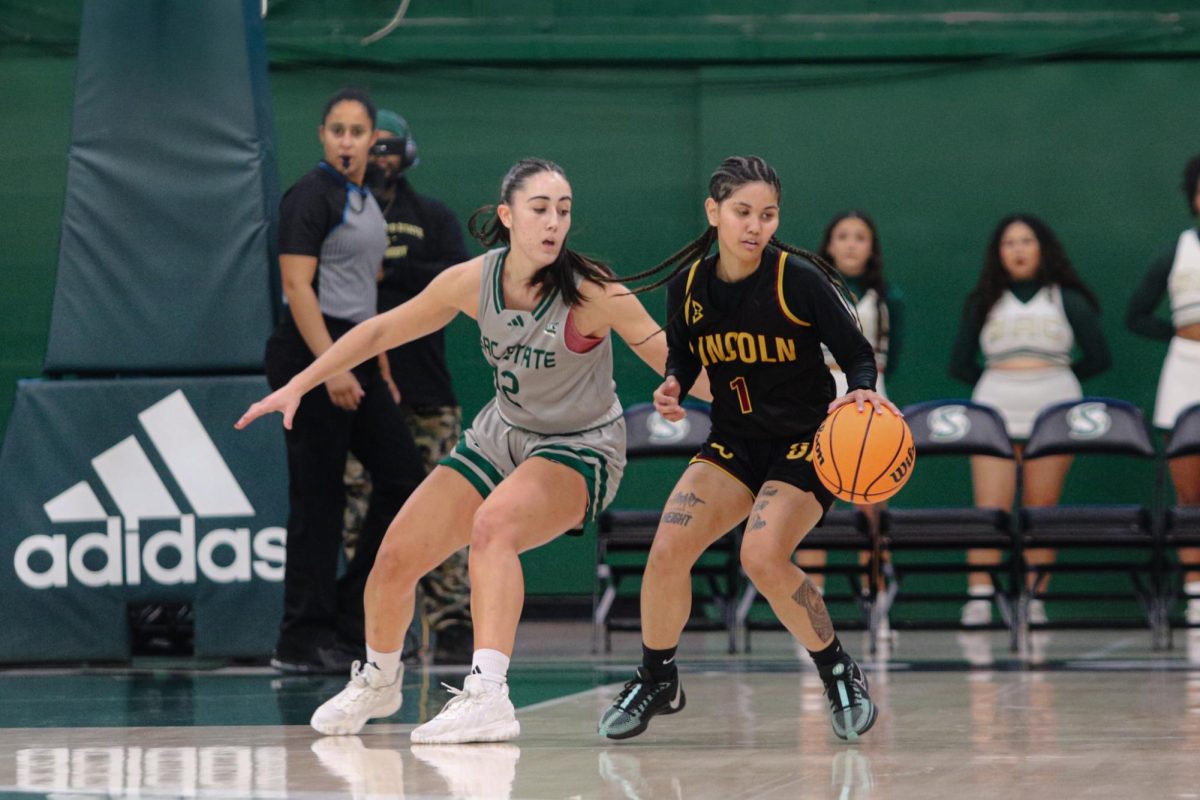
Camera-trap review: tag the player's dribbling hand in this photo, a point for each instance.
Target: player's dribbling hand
(284, 400)
(861, 396)
(666, 400)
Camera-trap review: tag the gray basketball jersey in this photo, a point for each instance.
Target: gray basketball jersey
(541, 384)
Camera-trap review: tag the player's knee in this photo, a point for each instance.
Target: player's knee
(394, 567)
(670, 553)
(762, 562)
(491, 528)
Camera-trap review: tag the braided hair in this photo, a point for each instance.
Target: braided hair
(733, 173)
(559, 275)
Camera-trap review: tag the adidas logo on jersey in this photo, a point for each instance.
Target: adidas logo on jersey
(117, 555)
(516, 322)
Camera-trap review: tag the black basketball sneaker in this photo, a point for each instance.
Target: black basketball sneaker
(850, 706)
(641, 699)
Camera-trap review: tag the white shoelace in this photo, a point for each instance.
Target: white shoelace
(460, 703)
(359, 685)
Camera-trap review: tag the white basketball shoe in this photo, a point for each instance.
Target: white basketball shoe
(479, 712)
(369, 774)
(482, 772)
(368, 695)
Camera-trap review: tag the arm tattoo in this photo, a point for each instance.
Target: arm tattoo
(756, 522)
(809, 598)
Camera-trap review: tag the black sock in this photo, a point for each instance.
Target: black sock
(828, 656)
(659, 663)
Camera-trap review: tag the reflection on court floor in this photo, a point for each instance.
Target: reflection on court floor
(1123, 725)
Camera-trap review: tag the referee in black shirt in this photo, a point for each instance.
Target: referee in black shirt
(332, 241)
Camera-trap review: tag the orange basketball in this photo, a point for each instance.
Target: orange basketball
(863, 457)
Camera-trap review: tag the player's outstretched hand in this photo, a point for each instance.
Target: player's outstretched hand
(285, 400)
(666, 400)
(861, 396)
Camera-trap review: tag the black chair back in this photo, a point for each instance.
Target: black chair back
(648, 434)
(957, 428)
(1092, 425)
(1185, 436)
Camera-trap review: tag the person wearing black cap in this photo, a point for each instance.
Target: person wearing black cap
(332, 240)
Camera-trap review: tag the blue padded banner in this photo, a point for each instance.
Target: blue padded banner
(166, 258)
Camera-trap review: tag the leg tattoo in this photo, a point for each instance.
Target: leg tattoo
(809, 598)
(678, 509)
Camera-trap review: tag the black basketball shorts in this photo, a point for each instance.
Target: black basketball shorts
(753, 462)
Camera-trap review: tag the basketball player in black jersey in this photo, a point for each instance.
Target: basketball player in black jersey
(754, 317)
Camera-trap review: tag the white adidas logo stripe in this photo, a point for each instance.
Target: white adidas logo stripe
(129, 477)
(127, 553)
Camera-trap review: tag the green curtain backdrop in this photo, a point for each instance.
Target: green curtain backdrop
(937, 125)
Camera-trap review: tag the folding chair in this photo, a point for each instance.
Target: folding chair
(1181, 524)
(1124, 534)
(624, 536)
(943, 428)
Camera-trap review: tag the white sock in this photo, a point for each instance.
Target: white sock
(491, 666)
(981, 590)
(387, 663)
(1192, 587)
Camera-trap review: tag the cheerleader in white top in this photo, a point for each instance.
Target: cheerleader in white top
(1176, 273)
(851, 243)
(1037, 327)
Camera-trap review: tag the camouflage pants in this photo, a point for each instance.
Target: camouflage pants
(444, 595)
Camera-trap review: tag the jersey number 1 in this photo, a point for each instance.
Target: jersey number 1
(738, 384)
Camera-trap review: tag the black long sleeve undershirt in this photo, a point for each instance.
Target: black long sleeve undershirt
(1139, 314)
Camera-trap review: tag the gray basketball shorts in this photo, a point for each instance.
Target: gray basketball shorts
(491, 449)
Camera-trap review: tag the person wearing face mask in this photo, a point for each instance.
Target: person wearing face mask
(1037, 326)
(332, 241)
(424, 238)
(543, 456)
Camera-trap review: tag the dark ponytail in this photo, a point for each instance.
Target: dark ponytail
(734, 173)
(485, 226)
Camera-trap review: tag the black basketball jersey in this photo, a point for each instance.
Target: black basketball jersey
(760, 341)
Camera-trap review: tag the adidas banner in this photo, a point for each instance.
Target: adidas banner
(139, 491)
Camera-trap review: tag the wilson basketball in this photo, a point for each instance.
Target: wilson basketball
(863, 457)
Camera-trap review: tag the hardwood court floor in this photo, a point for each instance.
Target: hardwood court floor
(1100, 717)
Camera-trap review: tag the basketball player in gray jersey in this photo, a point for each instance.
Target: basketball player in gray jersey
(543, 456)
